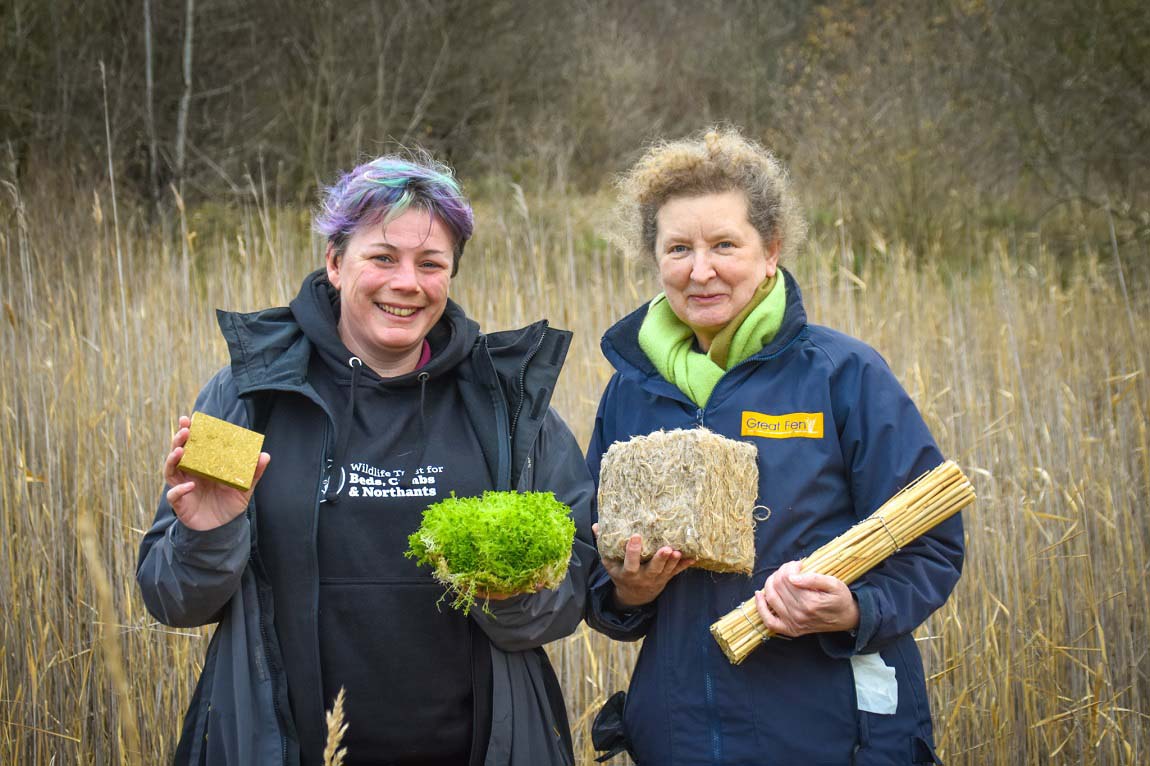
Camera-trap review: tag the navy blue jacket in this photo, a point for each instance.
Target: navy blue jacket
(791, 701)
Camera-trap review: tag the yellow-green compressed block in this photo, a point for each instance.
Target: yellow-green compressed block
(220, 451)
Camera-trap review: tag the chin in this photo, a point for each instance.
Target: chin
(397, 343)
(708, 322)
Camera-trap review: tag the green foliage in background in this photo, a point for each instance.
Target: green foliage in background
(502, 542)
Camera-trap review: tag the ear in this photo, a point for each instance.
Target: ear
(333, 264)
(773, 257)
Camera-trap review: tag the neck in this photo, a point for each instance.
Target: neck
(386, 365)
(393, 369)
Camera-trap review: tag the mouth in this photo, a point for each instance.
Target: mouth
(396, 311)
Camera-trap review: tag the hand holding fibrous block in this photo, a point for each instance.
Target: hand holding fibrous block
(692, 490)
(221, 451)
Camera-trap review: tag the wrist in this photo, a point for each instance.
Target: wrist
(627, 602)
(852, 617)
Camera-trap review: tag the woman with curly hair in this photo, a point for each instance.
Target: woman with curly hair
(724, 346)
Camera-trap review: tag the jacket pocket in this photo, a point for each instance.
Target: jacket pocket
(922, 751)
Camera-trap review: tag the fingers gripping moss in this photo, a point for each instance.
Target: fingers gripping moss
(502, 542)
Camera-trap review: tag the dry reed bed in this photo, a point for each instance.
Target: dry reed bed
(1034, 385)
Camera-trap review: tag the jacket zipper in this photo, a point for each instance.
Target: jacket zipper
(314, 559)
(272, 672)
(709, 692)
(522, 387)
(700, 412)
(499, 405)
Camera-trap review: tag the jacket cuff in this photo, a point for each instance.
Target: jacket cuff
(845, 644)
(623, 620)
(210, 546)
(516, 603)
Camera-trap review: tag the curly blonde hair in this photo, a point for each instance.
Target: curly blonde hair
(715, 161)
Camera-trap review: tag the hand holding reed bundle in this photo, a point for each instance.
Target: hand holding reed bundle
(919, 507)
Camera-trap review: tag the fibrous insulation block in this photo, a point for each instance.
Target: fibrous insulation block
(221, 451)
(692, 490)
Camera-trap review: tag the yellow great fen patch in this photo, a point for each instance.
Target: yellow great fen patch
(793, 425)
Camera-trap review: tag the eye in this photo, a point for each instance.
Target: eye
(432, 265)
(677, 249)
(382, 258)
(725, 244)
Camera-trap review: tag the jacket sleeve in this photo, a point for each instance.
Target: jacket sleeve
(886, 445)
(185, 576)
(602, 613)
(527, 621)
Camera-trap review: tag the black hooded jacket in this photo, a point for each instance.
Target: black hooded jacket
(417, 677)
(261, 696)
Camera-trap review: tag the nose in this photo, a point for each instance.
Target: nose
(404, 277)
(702, 270)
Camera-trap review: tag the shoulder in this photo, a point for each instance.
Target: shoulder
(848, 360)
(622, 391)
(265, 346)
(524, 341)
(556, 435)
(615, 384)
(220, 398)
(839, 349)
(538, 345)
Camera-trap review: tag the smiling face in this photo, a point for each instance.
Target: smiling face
(711, 259)
(393, 281)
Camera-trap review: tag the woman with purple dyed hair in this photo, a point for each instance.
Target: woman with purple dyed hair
(375, 393)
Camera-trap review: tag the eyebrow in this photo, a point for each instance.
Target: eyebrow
(674, 236)
(389, 246)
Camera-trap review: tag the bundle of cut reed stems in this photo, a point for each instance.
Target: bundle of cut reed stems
(919, 507)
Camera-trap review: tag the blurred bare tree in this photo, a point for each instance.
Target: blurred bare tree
(898, 112)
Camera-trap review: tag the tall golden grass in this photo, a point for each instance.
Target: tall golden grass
(1031, 374)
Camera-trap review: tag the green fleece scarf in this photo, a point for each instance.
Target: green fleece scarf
(669, 343)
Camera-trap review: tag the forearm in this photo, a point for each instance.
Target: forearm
(530, 620)
(186, 577)
(899, 595)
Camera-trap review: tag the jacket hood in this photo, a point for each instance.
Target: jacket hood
(317, 309)
(620, 343)
(270, 351)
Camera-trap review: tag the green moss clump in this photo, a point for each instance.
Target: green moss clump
(502, 542)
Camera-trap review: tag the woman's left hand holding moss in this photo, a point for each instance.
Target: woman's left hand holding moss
(485, 595)
(793, 603)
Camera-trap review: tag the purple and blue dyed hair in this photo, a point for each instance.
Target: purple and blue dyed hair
(381, 190)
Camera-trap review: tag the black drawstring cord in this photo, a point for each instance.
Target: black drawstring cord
(423, 378)
(345, 426)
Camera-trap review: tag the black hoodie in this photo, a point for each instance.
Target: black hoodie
(400, 444)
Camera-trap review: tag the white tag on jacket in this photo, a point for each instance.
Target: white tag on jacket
(875, 684)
